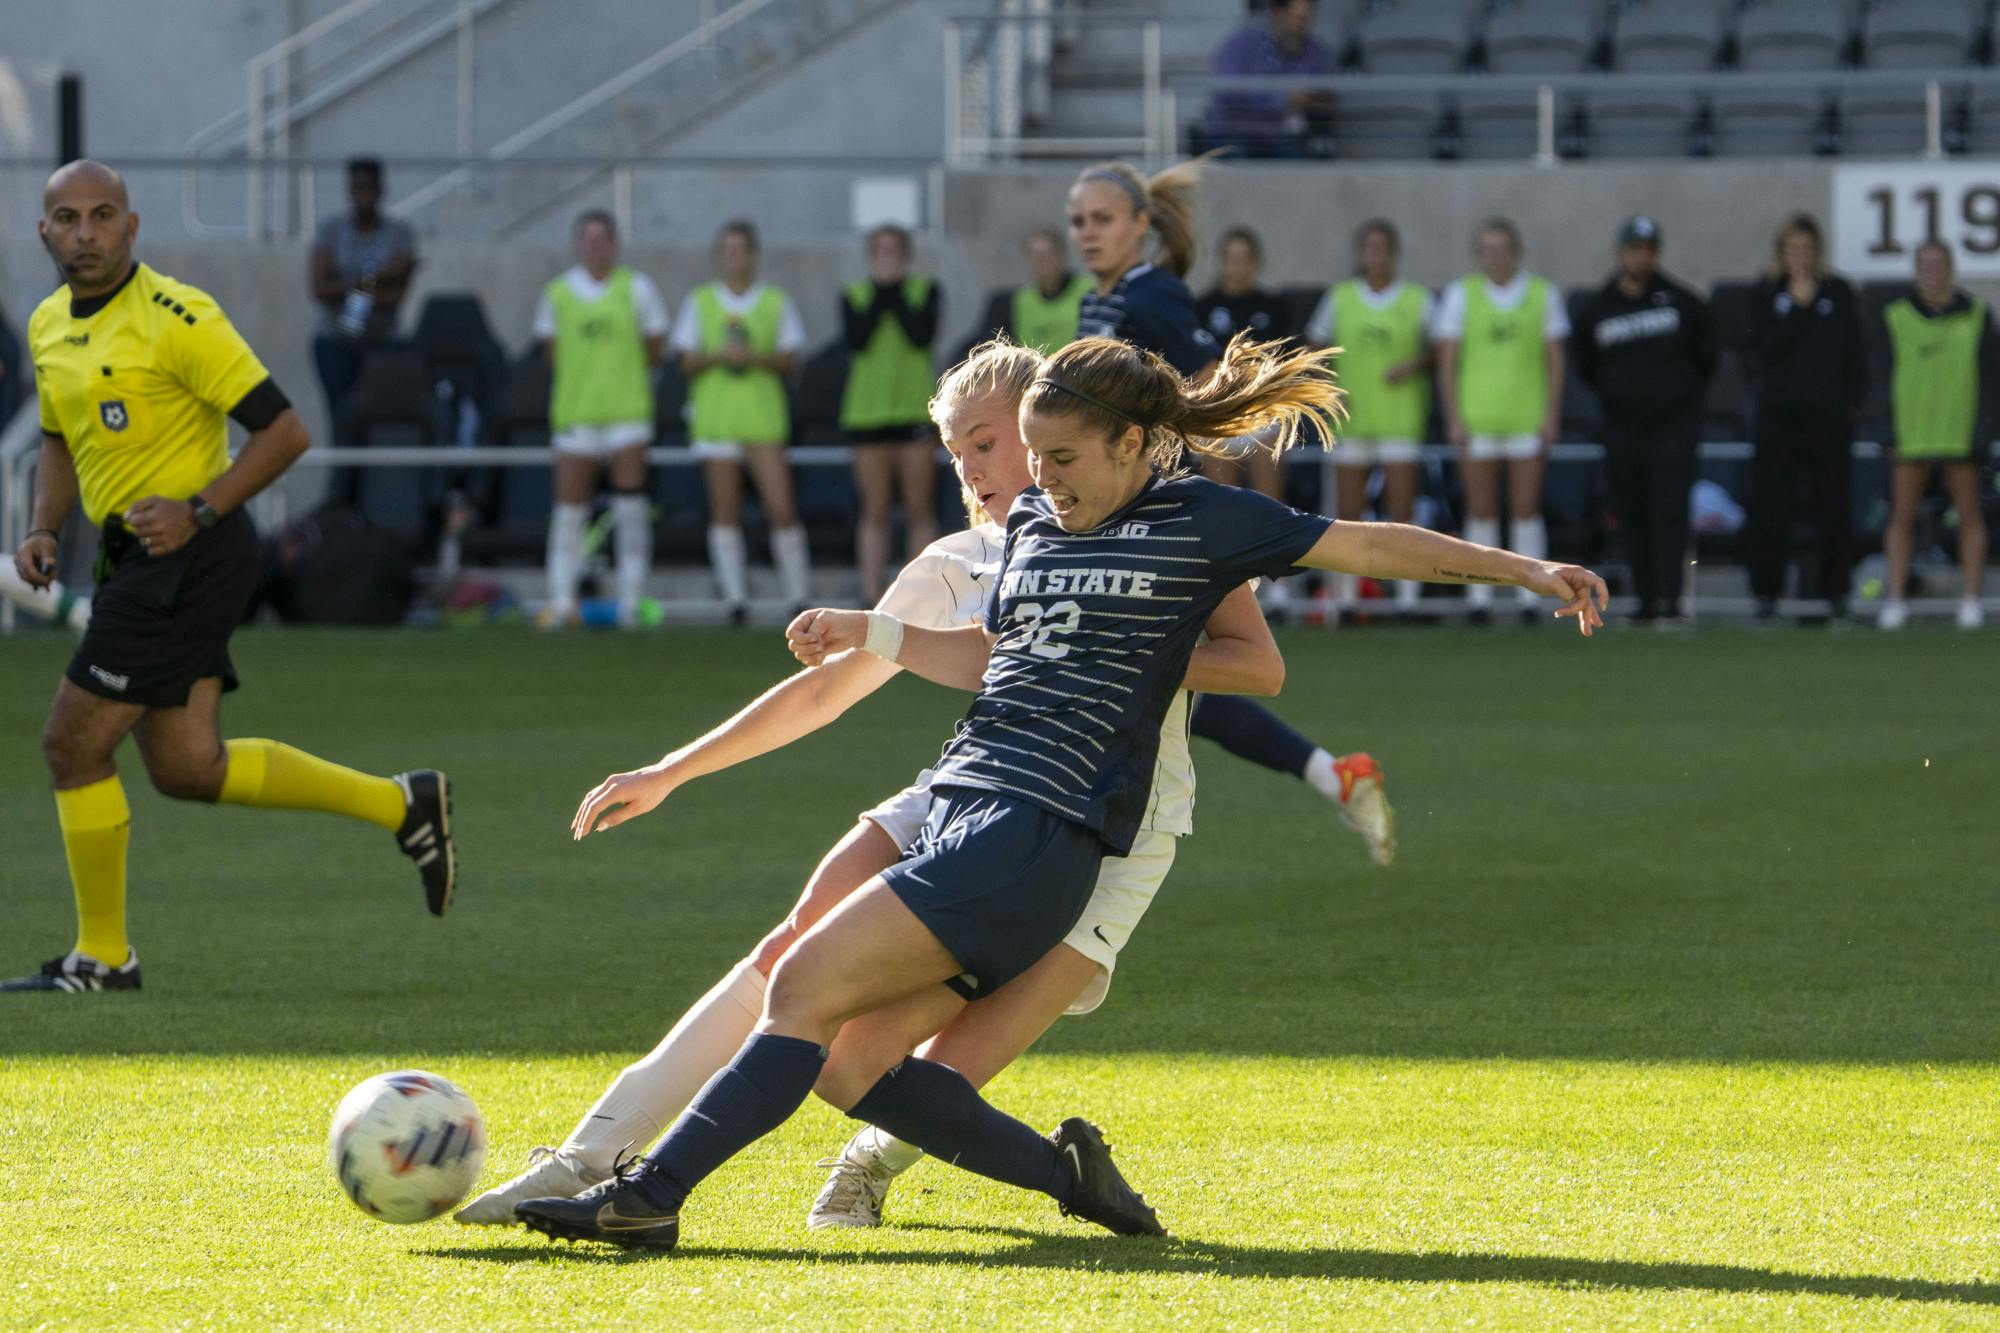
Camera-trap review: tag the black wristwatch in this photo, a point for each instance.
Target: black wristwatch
(205, 517)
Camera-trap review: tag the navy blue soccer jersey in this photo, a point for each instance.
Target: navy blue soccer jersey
(1094, 633)
(1153, 309)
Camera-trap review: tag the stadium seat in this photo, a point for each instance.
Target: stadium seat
(1412, 39)
(1918, 34)
(1982, 122)
(1301, 300)
(1876, 121)
(1723, 409)
(1731, 303)
(1791, 34)
(1543, 37)
(1641, 123)
(460, 350)
(670, 392)
(1376, 124)
(395, 405)
(1765, 122)
(1496, 125)
(816, 395)
(1666, 37)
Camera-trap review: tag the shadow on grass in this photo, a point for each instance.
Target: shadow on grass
(1101, 1254)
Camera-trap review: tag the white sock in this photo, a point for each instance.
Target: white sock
(894, 1154)
(730, 558)
(1319, 772)
(643, 1100)
(1485, 531)
(632, 517)
(565, 558)
(788, 552)
(1531, 538)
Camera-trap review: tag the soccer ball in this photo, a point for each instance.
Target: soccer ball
(406, 1146)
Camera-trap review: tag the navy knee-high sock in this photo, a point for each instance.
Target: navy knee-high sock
(1251, 731)
(749, 1097)
(934, 1107)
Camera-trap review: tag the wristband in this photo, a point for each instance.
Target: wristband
(885, 635)
(50, 533)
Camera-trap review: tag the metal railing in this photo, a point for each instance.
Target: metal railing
(997, 83)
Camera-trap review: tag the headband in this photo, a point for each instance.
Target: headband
(1093, 400)
(1123, 182)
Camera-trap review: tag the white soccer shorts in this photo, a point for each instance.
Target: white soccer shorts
(603, 441)
(1484, 448)
(1125, 885)
(1366, 451)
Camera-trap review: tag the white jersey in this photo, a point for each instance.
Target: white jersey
(945, 587)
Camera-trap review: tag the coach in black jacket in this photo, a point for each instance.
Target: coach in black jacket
(1811, 375)
(1648, 346)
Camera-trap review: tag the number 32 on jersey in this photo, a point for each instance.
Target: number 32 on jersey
(1046, 623)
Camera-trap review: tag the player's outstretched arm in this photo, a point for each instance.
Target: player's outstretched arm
(55, 498)
(1403, 551)
(1240, 656)
(793, 708)
(954, 657)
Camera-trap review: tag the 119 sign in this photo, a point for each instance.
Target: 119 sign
(1882, 213)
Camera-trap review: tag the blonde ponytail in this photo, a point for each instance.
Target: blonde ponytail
(1270, 390)
(1168, 198)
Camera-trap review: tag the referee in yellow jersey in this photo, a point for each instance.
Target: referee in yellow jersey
(135, 373)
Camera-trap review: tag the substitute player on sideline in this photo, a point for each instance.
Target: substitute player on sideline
(603, 328)
(135, 372)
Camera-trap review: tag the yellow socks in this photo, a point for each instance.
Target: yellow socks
(96, 825)
(274, 776)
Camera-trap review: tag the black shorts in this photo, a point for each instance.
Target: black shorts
(999, 881)
(159, 624)
(917, 432)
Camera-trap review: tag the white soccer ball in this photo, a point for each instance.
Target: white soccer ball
(406, 1146)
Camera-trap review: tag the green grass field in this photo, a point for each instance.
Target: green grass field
(1678, 1010)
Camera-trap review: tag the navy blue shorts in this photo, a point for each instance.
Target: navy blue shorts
(999, 881)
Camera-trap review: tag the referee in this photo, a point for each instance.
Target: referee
(135, 373)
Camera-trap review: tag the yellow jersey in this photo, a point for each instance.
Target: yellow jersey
(140, 388)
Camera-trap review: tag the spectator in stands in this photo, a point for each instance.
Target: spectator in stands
(1381, 324)
(1276, 124)
(603, 328)
(1648, 346)
(1236, 304)
(1811, 374)
(1942, 356)
(738, 339)
(11, 387)
(1042, 312)
(362, 261)
(890, 321)
(1499, 337)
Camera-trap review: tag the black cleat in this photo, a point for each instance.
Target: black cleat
(1101, 1194)
(615, 1211)
(79, 972)
(425, 836)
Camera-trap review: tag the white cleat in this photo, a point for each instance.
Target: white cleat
(853, 1194)
(1894, 616)
(1971, 613)
(1364, 807)
(551, 1174)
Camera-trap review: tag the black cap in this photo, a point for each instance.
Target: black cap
(1640, 230)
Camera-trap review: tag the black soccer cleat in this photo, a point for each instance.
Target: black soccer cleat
(1101, 1194)
(615, 1211)
(425, 836)
(78, 972)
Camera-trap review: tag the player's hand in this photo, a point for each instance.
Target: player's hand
(162, 526)
(1583, 594)
(819, 634)
(35, 560)
(1399, 372)
(620, 797)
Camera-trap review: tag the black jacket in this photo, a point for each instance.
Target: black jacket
(1648, 354)
(1808, 356)
(919, 325)
(1261, 314)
